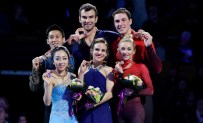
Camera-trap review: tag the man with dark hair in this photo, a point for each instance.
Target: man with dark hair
(145, 50)
(82, 39)
(55, 38)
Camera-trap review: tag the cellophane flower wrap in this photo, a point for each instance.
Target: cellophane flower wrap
(132, 81)
(94, 94)
(76, 85)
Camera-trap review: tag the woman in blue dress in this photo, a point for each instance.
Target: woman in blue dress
(56, 91)
(97, 74)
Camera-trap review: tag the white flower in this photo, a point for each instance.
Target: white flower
(73, 80)
(130, 77)
(97, 89)
(139, 82)
(133, 77)
(76, 82)
(90, 87)
(94, 94)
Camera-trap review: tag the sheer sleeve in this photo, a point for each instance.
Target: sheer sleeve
(34, 80)
(149, 89)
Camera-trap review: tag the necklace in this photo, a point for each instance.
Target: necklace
(59, 75)
(64, 78)
(99, 67)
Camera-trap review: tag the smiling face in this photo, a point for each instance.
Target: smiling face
(88, 19)
(126, 50)
(99, 52)
(61, 60)
(55, 39)
(122, 23)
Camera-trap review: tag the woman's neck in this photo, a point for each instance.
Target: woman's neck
(61, 74)
(97, 65)
(127, 64)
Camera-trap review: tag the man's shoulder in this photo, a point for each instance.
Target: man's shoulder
(106, 31)
(107, 34)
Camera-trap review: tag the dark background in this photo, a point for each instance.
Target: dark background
(21, 41)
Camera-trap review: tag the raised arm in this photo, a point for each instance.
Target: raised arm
(35, 78)
(82, 69)
(79, 34)
(153, 60)
(48, 86)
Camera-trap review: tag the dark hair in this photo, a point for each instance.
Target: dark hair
(88, 7)
(122, 10)
(100, 40)
(55, 27)
(58, 49)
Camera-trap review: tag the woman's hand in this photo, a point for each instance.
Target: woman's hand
(83, 66)
(118, 66)
(47, 78)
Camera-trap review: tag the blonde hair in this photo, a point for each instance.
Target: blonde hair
(127, 39)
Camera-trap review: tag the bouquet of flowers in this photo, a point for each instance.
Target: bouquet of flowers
(76, 85)
(132, 81)
(94, 94)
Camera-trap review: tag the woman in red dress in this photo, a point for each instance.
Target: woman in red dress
(131, 110)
